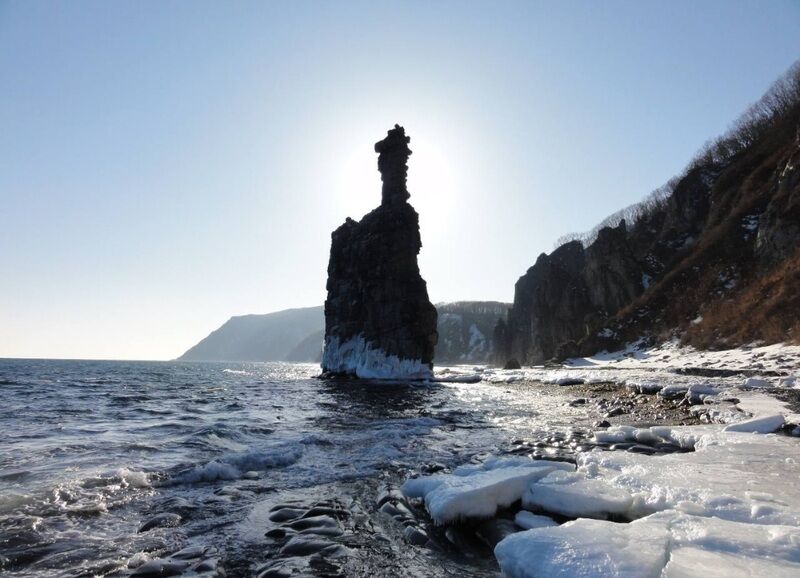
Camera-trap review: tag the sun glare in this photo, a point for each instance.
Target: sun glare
(430, 179)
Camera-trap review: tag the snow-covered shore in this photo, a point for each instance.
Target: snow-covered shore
(727, 505)
(725, 386)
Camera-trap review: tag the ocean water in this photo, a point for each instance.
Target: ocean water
(94, 452)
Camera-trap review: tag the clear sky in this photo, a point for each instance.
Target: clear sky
(165, 165)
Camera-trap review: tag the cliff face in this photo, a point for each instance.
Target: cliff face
(379, 322)
(466, 331)
(699, 262)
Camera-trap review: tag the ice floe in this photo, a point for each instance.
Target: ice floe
(585, 548)
(665, 545)
(529, 520)
(575, 495)
(730, 507)
(726, 505)
(478, 492)
(762, 424)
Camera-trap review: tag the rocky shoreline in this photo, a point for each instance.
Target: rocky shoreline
(431, 478)
(343, 536)
(554, 505)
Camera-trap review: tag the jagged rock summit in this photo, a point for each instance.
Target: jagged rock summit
(379, 322)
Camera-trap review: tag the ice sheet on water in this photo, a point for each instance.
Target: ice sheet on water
(762, 424)
(731, 475)
(575, 495)
(478, 492)
(728, 508)
(669, 544)
(683, 437)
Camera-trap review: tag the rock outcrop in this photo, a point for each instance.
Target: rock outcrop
(714, 259)
(379, 322)
(466, 331)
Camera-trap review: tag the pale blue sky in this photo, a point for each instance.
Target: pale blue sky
(165, 165)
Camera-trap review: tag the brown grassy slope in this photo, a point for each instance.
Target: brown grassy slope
(763, 304)
(767, 309)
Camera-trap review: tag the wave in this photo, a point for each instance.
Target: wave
(236, 371)
(236, 465)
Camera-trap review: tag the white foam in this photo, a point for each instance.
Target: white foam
(236, 371)
(133, 478)
(235, 466)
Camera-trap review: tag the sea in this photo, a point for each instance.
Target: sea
(118, 468)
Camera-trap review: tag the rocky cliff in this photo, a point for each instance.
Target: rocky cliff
(379, 322)
(712, 257)
(466, 331)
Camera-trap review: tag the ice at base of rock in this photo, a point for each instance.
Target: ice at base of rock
(478, 492)
(357, 357)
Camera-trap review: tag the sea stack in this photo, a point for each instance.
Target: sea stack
(379, 322)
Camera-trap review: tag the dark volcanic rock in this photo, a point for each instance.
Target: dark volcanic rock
(550, 303)
(467, 331)
(379, 322)
(717, 244)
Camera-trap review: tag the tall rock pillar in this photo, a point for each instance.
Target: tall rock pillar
(379, 322)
